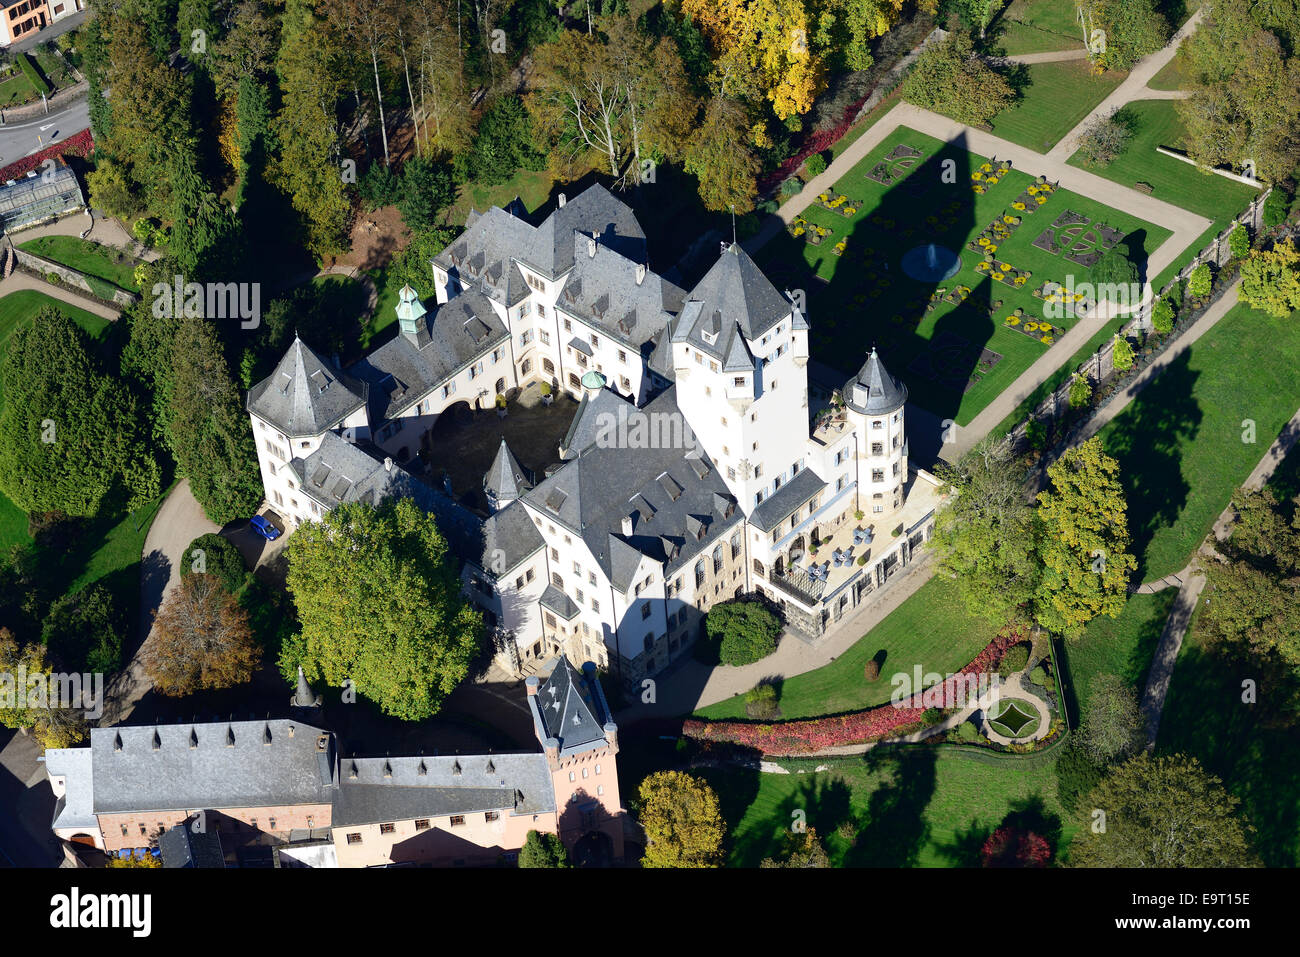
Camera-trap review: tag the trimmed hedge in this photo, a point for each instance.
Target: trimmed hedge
(859, 727)
(33, 75)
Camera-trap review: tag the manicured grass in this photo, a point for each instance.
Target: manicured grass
(1253, 747)
(1037, 26)
(534, 188)
(385, 313)
(1174, 181)
(930, 629)
(15, 89)
(86, 257)
(1182, 445)
(1170, 76)
(1059, 96)
(1116, 646)
(926, 807)
(1014, 719)
(862, 298)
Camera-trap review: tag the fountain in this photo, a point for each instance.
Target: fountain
(931, 263)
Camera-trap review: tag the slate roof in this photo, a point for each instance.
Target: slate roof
(407, 368)
(570, 708)
(223, 764)
(505, 477)
(779, 506)
(181, 846)
(594, 210)
(733, 299)
(602, 291)
(560, 603)
(483, 252)
(391, 789)
(305, 395)
(669, 488)
(593, 411)
(873, 391)
(340, 471)
(509, 537)
(77, 806)
(660, 360)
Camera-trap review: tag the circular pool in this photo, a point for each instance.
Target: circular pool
(931, 263)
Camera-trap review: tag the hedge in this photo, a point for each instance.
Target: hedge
(859, 727)
(79, 144)
(33, 75)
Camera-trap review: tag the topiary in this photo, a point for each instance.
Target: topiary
(214, 555)
(761, 702)
(1162, 317)
(814, 165)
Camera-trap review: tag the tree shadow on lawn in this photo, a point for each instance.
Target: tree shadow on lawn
(936, 366)
(1026, 814)
(893, 828)
(1149, 440)
(1253, 748)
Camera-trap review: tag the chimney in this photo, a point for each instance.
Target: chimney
(591, 248)
(562, 200)
(388, 465)
(640, 273)
(532, 684)
(611, 736)
(627, 524)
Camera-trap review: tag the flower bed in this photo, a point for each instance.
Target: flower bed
(838, 203)
(79, 144)
(859, 727)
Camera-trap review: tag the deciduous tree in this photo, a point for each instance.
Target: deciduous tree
(1162, 812)
(543, 850)
(379, 599)
(1083, 541)
(950, 79)
(1270, 279)
(200, 640)
(683, 825)
(1112, 724)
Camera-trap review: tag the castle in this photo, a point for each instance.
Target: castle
(695, 469)
(207, 793)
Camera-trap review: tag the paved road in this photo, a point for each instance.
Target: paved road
(25, 137)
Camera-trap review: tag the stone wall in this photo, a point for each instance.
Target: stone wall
(70, 277)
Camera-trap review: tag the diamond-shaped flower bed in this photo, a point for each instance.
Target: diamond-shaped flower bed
(1013, 718)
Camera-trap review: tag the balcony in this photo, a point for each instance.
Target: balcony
(800, 586)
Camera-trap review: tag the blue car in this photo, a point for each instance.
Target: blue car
(264, 528)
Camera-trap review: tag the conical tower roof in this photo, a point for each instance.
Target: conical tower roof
(306, 394)
(505, 478)
(873, 391)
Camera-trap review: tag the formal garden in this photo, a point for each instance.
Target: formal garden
(957, 340)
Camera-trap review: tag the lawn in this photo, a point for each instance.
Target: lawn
(15, 89)
(1058, 97)
(1174, 181)
(1170, 76)
(954, 358)
(1183, 444)
(930, 629)
(100, 262)
(926, 807)
(1038, 26)
(1120, 646)
(533, 187)
(385, 313)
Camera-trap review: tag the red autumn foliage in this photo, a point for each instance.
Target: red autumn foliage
(859, 727)
(1013, 847)
(818, 141)
(78, 144)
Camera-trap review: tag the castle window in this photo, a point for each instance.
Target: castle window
(490, 816)
(354, 838)
(387, 828)
(645, 610)
(458, 820)
(422, 825)
(877, 424)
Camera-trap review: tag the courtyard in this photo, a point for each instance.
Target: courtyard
(464, 442)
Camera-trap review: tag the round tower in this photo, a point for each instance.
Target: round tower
(874, 401)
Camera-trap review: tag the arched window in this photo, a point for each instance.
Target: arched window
(548, 366)
(501, 386)
(526, 367)
(649, 641)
